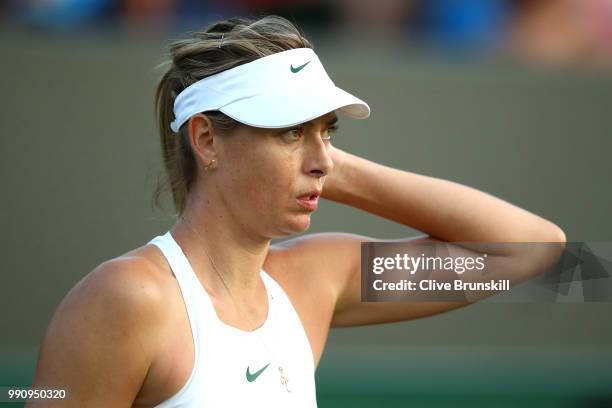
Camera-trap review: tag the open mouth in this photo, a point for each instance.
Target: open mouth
(309, 201)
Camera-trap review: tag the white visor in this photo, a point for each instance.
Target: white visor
(280, 90)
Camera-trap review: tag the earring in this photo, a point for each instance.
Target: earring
(210, 165)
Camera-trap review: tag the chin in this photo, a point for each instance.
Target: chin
(296, 225)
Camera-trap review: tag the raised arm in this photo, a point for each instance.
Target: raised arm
(441, 208)
(101, 340)
(444, 210)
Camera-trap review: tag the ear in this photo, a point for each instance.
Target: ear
(201, 139)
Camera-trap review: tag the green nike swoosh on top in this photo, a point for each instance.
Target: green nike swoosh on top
(252, 377)
(298, 69)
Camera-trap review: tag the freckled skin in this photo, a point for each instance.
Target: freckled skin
(253, 186)
(261, 172)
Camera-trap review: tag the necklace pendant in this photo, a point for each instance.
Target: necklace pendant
(284, 379)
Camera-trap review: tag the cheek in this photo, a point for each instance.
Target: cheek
(264, 181)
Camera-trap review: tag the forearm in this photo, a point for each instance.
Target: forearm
(443, 209)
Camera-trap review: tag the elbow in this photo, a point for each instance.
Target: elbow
(555, 241)
(546, 253)
(545, 231)
(557, 235)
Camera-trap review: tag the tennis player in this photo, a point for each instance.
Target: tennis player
(210, 314)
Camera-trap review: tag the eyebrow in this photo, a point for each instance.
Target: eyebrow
(332, 121)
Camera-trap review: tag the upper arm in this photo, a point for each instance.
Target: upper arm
(332, 262)
(101, 340)
(351, 311)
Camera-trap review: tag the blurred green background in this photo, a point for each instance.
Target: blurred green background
(80, 158)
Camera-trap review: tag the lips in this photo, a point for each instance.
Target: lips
(309, 200)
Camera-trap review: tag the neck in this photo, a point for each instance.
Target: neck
(206, 230)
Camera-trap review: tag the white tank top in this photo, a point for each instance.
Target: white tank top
(272, 366)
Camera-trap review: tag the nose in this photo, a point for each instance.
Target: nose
(317, 161)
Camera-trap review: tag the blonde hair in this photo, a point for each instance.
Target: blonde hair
(222, 45)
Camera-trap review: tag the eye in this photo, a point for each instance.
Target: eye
(329, 134)
(293, 135)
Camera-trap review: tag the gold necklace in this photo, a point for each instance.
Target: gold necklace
(283, 376)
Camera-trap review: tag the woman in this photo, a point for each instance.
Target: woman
(212, 314)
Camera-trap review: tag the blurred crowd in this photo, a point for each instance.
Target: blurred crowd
(553, 31)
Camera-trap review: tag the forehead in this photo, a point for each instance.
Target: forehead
(327, 119)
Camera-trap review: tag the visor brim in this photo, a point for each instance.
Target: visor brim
(292, 107)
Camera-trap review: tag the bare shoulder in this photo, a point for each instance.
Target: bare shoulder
(104, 335)
(330, 258)
(315, 255)
(311, 247)
(324, 262)
(129, 284)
